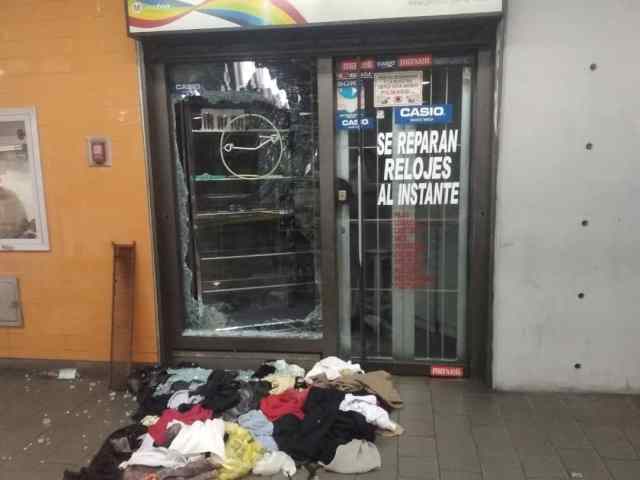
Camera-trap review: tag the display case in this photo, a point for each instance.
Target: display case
(250, 235)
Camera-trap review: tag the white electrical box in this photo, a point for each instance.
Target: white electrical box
(10, 309)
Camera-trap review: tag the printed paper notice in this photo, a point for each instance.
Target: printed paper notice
(396, 89)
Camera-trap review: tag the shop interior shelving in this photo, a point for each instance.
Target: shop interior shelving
(247, 233)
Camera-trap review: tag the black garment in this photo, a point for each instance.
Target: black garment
(146, 378)
(142, 383)
(323, 428)
(220, 392)
(327, 399)
(347, 426)
(150, 405)
(179, 385)
(264, 370)
(250, 395)
(104, 465)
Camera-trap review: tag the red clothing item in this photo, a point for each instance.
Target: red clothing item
(159, 430)
(288, 402)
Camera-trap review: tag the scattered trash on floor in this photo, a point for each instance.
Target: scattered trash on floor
(67, 374)
(60, 374)
(200, 424)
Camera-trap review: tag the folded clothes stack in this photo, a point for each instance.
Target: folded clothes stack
(199, 424)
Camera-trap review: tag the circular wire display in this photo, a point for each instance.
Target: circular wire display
(264, 140)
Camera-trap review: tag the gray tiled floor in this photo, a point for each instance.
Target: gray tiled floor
(455, 430)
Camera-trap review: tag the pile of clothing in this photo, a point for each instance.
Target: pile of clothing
(200, 424)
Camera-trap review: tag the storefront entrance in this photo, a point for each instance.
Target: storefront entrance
(325, 201)
(248, 191)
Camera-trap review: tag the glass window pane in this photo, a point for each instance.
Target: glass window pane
(22, 219)
(413, 245)
(18, 207)
(249, 176)
(377, 323)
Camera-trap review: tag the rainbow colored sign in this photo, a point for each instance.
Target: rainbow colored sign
(146, 16)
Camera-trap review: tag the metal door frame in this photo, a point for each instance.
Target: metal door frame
(451, 37)
(467, 62)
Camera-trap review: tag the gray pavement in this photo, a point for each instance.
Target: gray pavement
(455, 430)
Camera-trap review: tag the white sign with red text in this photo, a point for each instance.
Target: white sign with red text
(396, 89)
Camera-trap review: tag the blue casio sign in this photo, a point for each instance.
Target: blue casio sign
(352, 122)
(437, 113)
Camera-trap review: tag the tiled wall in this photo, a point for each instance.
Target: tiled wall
(73, 61)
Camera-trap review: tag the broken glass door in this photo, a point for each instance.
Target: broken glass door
(247, 182)
(402, 147)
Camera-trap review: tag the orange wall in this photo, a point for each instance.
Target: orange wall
(73, 61)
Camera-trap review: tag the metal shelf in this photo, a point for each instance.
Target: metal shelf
(260, 287)
(224, 178)
(246, 212)
(257, 255)
(236, 218)
(253, 130)
(246, 215)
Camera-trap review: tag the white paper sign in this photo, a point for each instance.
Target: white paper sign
(395, 89)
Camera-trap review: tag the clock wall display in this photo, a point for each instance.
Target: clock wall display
(269, 143)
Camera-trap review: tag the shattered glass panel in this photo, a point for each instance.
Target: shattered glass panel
(248, 197)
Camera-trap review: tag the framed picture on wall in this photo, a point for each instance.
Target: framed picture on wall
(23, 219)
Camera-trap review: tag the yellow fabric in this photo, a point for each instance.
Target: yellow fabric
(242, 452)
(280, 383)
